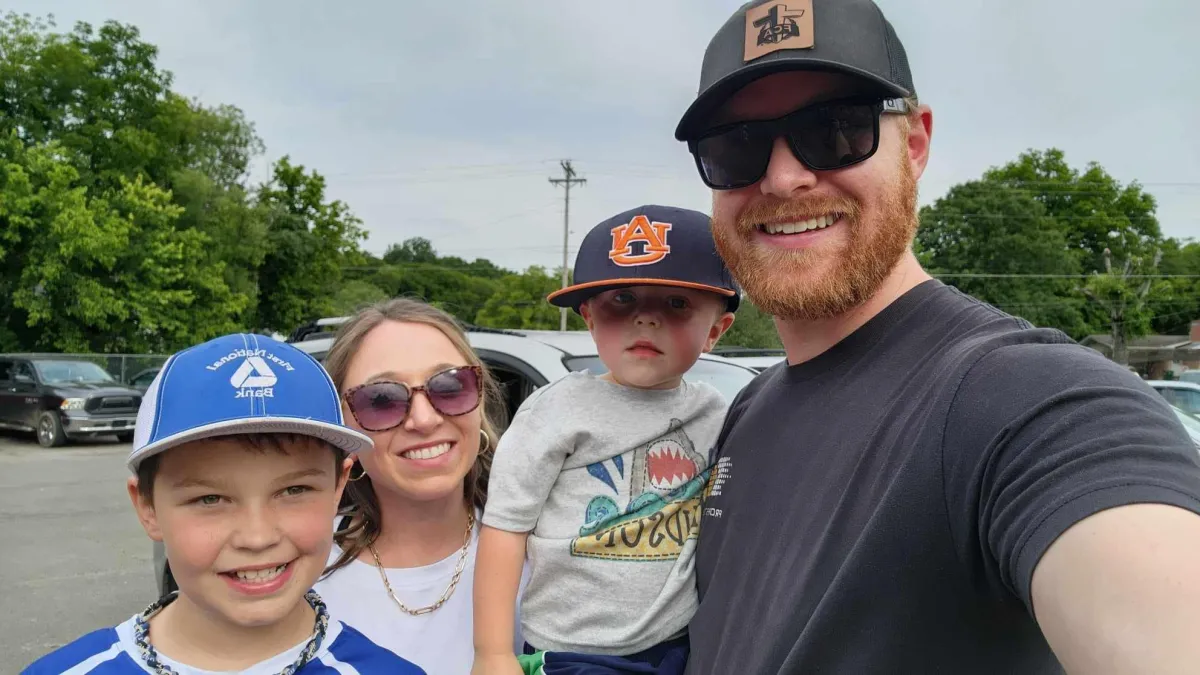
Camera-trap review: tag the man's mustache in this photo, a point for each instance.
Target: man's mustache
(769, 209)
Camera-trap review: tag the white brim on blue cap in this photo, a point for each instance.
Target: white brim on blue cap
(240, 384)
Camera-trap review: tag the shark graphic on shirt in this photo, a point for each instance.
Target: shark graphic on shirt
(662, 505)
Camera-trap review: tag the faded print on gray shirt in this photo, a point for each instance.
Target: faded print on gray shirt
(608, 481)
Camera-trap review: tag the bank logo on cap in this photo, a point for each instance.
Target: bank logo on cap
(254, 378)
(650, 238)
(254, 372)
(778, 25)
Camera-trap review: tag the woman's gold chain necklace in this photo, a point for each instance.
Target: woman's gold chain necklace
(458, 570)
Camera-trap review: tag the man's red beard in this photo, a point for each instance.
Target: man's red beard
(782, 283)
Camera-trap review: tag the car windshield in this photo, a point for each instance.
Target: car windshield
(72, 372)
(726, 377)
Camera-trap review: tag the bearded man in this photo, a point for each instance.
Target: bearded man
(927, 485)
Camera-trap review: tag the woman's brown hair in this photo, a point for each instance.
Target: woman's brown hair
(359, 500)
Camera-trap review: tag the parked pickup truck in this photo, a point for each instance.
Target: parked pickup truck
(61, 398)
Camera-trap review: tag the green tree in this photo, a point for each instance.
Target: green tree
(982, 228)
(520, 302)
(1096, 211)
(308, 242)
(98, 96)
(99, 273)
(101, 95)
(1174, 313)
(456, 292)
(998, 237)
(1121, 294)
(353, 295)
(751, 328)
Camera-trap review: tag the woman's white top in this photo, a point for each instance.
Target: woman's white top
(439, 642)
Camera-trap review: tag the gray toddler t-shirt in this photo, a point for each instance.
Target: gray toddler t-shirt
(608, 481)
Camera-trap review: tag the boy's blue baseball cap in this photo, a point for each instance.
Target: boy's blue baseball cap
(649, 246)
(240, 384)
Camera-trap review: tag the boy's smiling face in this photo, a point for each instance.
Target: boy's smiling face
(247, 530)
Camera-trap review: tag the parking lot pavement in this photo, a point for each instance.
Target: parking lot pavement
(74, 556)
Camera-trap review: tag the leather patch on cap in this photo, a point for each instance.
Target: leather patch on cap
(778, 25)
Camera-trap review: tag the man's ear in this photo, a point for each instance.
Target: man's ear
(920, 136)
(719, 328)
(144, 508)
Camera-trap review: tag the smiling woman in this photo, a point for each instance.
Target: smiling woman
(403, 564)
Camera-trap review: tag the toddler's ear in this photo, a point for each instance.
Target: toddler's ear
(719, 328)
(586, 312)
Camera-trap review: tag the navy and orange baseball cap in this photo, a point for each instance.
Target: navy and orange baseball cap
(649, 246)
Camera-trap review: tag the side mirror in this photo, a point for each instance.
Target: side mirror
(22, 378)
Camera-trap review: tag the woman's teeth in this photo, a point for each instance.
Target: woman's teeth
(260, 576)
(427, 453)
(817, 223)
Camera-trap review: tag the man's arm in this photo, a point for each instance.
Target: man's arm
(1075, 486)
(1119, 592)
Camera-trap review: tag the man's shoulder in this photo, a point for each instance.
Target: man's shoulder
(97, 651)
(964, 331)
(1023, 363)
(352, 648)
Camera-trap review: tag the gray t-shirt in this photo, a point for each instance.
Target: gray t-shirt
(607, 480)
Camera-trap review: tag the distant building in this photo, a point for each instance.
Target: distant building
(1156, 357)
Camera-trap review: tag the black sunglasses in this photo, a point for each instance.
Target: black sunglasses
(824, 136)
(383, 405)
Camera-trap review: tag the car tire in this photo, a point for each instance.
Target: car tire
(50, 432)
(125, 437)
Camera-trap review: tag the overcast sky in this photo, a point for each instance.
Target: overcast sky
(445, 119)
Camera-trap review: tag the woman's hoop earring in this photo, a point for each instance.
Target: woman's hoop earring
(487, 441)
(361, 473)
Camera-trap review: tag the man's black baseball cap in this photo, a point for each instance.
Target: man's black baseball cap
(770, 36)
(649, 246)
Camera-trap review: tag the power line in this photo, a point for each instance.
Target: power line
(567, 181)
(940, 275)
(973, 275)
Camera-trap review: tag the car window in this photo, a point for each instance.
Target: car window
(22, 369)
(1188, 400)
(145, 378)
(72, 372)
(725, 377)
(6, 368)
(1190, 422)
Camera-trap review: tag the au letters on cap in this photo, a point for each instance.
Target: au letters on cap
(651, 235)
(778, 25)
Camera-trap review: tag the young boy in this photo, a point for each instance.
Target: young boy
(240, 458)
(600, 477)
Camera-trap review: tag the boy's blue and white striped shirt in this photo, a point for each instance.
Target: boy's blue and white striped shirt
(111, 651)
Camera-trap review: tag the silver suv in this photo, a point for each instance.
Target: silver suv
(521, 361)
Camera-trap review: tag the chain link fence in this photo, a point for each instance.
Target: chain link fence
(123, 367)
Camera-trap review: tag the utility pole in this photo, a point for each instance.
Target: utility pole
(567, 181)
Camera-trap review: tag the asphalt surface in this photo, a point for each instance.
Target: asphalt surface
(74, 557)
